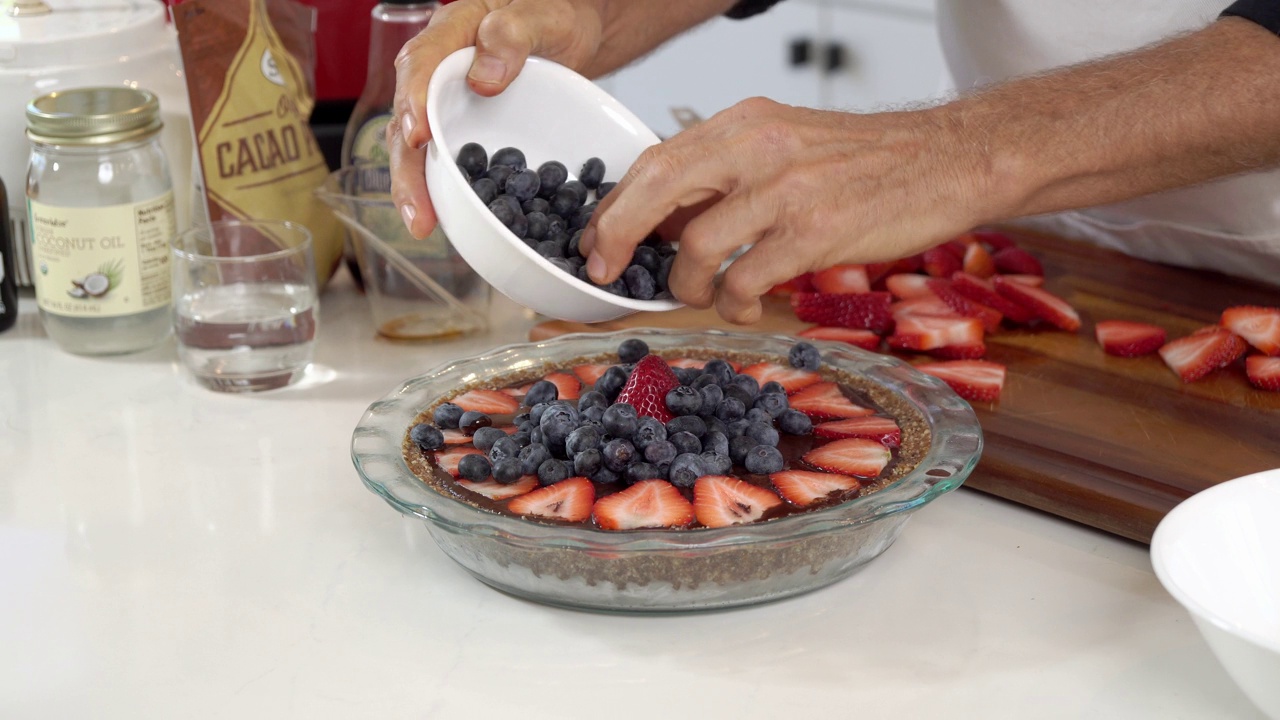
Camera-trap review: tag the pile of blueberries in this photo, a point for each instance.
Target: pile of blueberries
(548, 211)
(722, 419)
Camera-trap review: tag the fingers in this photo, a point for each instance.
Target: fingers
(508, 36)
(742, 218)
(409, 182)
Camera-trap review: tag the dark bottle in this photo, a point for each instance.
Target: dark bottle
(8, 279)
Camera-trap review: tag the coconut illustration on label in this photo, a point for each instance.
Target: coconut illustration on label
(97, 284)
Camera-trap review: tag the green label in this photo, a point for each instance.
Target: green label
(370, 144)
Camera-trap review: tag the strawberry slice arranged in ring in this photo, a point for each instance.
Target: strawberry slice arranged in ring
(720, 501)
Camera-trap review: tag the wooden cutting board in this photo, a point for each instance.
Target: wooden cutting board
(1110, 442)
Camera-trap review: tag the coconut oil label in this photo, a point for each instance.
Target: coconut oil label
(102, 261)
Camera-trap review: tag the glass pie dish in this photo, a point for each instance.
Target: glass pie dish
(660, 570)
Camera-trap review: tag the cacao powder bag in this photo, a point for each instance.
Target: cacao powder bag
(248, 69)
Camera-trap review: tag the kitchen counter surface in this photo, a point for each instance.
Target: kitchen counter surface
(170, 552)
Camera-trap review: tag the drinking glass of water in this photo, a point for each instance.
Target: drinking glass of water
(245, 310)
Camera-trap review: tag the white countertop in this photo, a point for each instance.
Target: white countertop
(168, 552)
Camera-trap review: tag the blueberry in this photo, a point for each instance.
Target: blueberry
(756, 415)
(560, 263)
(473, 159)
(583, 276)
(685, 470)
(632, 350)
(509, 156)
(604, 189)
(536, 410)
(662, 278)
(685, 442)
(736, 428)
(592, 173)
(502, 210)
(485, 189)
(532, 456)
(639, 471)
(556, 424)
(536, 205)
(523, 185)
(475, 468)
(535, 436)
(620, 420)
(804, 356)
(794, 422)
(521, 419)
(575, 262)
(499, 174)
(731, 408)
(612, 382)
(557, 224)
(666, 251)
(640, 283)
(582, 217)
(712, 395)
(721, 370)
(686, 376)
(505, 447)
(579, 191)
(716, 442)
(543, 391)
(427, 437)
(447, 415)
(553, 471)
(582, 439)
(716, 464)
(774, 404)
(472, 421)
(592, 398)
(520, 226)
(605, 476)
(574, 248)
(507, 470)
(660, 453)
(647, 258)
(617, 287)
(618, 454)
(587, 462)
(773, 386)
(747, 383)
(763, 459)
(522, 439)
(691, 424)
(485, 437)
(551, 250)
(530, 243)
(739, 447)
(537, 225)
(551, 175)
(566, 201)
(648, 430)
(715, 424)
(594, 415)
(762, 434)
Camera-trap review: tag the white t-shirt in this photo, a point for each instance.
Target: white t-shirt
(1231, 225)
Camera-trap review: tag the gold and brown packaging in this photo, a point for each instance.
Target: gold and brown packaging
(248, 68)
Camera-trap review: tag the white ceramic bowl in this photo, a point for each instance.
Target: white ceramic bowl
(1218, 553)
(550, 113)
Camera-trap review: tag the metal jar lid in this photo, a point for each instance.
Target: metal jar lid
(93, 116)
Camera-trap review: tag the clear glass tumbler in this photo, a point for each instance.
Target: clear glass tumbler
(245, 303)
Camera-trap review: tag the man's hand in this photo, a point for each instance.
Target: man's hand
(806, 188)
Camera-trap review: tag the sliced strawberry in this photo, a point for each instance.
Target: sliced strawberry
(966, 351)
(698, 364)
(1260, 326)
(1017, 261)
(864, 339)
(647, 388)
(1031, 280)
(905, 286)
(568, 387)
(799, 283)
(984, 291)
(569, 500)
(875, 271)
(489, 402)
(927, 332)
(1129, 339)
(995, 240)
(957, 246)
(824, 401)
(867, 310)
(448, 459)
(791, 379)
(805, 487)
(1202, 352)
(1263, 372)
(941, 262)
(495, 490)
(931, 306)
(589, 374)
(875, 427)
(859, 457)
(848, 279)
(973, 380)
(978, 262)
(1046, 306)
(516, 392)
(648, 503)
(909, 264)
(720, 501)
(990, 317)
(455, 437)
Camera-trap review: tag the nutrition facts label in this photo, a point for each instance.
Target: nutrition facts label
(102, 261)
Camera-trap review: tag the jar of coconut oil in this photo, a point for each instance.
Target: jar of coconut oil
(101, 216)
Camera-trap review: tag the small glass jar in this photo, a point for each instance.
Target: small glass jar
(101, 216)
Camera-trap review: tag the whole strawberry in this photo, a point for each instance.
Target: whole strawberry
(647, 387)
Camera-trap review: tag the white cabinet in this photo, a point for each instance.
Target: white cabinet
(847, 54)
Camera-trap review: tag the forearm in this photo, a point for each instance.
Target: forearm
(1195, 108)
(633, 28)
